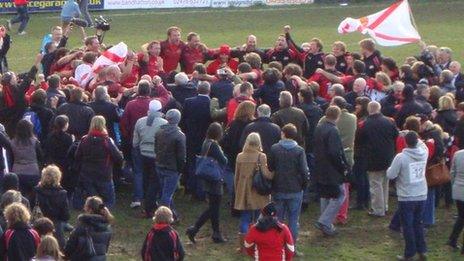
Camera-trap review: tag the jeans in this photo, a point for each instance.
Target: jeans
(330, 208)
(378, 187)
(168, 180)
(151, 184)
(411, 213)
(395, 223)
(362, 183)
(87, 188)
(429, 208)
(22, 17)
(288, 206)
(212, 213)
(459, 225)
(246, 218)
(137, 194)
(83, 6)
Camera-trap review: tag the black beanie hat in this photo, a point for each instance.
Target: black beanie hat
(269, 210)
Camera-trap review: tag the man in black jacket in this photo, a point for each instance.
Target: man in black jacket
(288, 162)
(102, 106)
(45, 114)
(183, 88)
(268, 131)
(170, 150)
(329, 170)
(79, 114)
(378, 136)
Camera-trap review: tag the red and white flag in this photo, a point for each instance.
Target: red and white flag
(113, 56)
(392, 26)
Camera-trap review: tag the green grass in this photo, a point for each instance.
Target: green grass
(363, 238)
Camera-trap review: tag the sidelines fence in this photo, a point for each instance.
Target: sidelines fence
(7, 6)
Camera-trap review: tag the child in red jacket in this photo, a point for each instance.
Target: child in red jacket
(269, 239)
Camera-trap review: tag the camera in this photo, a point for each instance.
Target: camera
(102, 23)
(221, 71)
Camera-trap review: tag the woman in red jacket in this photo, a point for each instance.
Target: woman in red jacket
(269, 239)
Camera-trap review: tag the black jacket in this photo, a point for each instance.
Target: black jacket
(162, 243)
(96, 156)
(109, 111)
(98, 229)
(3, 51)
(268, 131)
(447, 119)
(215, 152)
(269, 94)
(231, 140)
(46, 116)
(53, 202)
(427, 107)
(459, 84)
(182, 92)
(196, 118)
(330, 162)
(79, 115)
(407, 109)
(373, 63)
(341, 65)
(288, 161)
(311, 61)
(459, 133)
(388, 105)
(22, 244)
(52, 92)
(439, 151)
(313, 113)
(170, 148)
(49, 58)
(56, 147)
(223, 91)
(378, 136)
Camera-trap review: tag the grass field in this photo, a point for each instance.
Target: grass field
(363, 238)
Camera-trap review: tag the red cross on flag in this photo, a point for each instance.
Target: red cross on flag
(392, 26)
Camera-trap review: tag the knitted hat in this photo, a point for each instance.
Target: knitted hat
(173, 116)
(224, 49)
(154, 106)
(10, 181)
(269, 210)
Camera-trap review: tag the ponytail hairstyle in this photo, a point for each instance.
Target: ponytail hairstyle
(94, 205)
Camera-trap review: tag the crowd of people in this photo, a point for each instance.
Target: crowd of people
(302, 122)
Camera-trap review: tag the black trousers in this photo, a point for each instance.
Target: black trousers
(151, 185)
(459, 225)
(212, 213)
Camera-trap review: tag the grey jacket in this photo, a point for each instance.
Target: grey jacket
(409, 169)
(170, 148)
(288, 162)
(457, 175)
(144, 133)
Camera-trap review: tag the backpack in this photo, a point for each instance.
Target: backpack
(33, 118)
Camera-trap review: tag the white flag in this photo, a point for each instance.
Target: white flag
(392, 26)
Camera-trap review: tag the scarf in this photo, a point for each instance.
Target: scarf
(8, 96)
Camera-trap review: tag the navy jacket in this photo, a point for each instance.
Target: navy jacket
(196, 119)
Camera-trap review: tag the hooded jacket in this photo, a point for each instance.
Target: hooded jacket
(144, 133)
(409, 168)
(95, 226)
(288, 162)
(162, 243)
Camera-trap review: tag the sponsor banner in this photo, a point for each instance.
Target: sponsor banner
(233, 3)
(149, 4)
(7, 6)
(287, 2)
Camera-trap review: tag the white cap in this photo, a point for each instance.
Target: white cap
(154, 106)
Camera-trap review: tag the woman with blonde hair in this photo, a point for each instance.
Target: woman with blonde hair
(162, 241)
(48, 250)
(93, 230)
(53, 200)
(20, 241)
(247, 199)
(96, 154)
(446, 116)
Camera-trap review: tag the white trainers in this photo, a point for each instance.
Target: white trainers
(22, 33)
(135, 204)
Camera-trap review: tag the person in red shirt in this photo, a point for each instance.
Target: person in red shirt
(268, 239)
(130, 71)
(330, 62)
(171, 49)
(22, 17)
(150, 60)
(389, 67)
(246, 92)
(194, 52)
(223, 60)
(281, 52)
